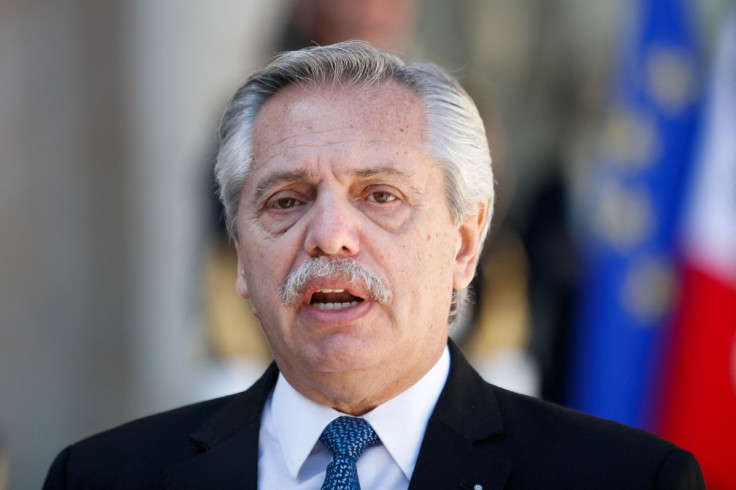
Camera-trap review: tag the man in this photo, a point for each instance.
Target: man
(358, 192)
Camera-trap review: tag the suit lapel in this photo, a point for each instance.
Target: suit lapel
(228, 442)
(462, 445)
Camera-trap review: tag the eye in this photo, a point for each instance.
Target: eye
(285, 203)
(381, 196)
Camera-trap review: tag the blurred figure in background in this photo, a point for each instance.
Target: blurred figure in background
(388, 24)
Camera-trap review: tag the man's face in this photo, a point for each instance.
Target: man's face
(342, 173)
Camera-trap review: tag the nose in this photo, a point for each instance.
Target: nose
(332, 228)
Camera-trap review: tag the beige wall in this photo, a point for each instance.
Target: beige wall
(107, 113)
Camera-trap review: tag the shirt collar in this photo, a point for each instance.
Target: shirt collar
(400, 422)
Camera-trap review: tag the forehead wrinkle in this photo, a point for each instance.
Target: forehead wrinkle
(311, 132)
(380, 170)
(314, 132)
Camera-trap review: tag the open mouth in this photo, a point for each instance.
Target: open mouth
(333, 299)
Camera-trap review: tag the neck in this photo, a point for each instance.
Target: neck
(357, 392)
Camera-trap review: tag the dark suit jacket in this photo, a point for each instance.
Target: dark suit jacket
(478, 434)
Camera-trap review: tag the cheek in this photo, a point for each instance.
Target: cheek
(436, 264)
(264, 274)
(424, 265)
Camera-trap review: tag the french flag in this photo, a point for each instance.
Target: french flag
(697, 409)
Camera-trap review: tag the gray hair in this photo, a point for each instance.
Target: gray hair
(355, 273)
(455, 134)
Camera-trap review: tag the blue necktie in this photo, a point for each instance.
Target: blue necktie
(347, 438)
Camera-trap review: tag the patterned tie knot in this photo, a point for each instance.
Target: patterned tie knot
(348, 437)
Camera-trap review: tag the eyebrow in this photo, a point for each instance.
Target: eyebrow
(274, 179)
(380, 170)
(388, 170)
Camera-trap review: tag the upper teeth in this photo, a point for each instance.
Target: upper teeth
(331, 290)
(334, 306)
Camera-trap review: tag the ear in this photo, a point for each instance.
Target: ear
(468, 247)
(241, 283)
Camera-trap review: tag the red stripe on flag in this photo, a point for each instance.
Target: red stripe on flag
(698, 410)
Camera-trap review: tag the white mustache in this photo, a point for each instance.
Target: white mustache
(293, 287)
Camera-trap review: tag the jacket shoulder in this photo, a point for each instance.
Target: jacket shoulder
(142, 450)
(567, 446)
(136, 451)
(167, 427)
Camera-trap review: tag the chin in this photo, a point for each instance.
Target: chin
(345, 359)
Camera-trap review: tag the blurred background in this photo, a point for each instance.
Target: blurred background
(608, 285)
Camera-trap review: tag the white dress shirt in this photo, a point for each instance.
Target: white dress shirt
(291, 456)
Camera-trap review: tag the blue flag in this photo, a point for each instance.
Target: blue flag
(632, 212)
